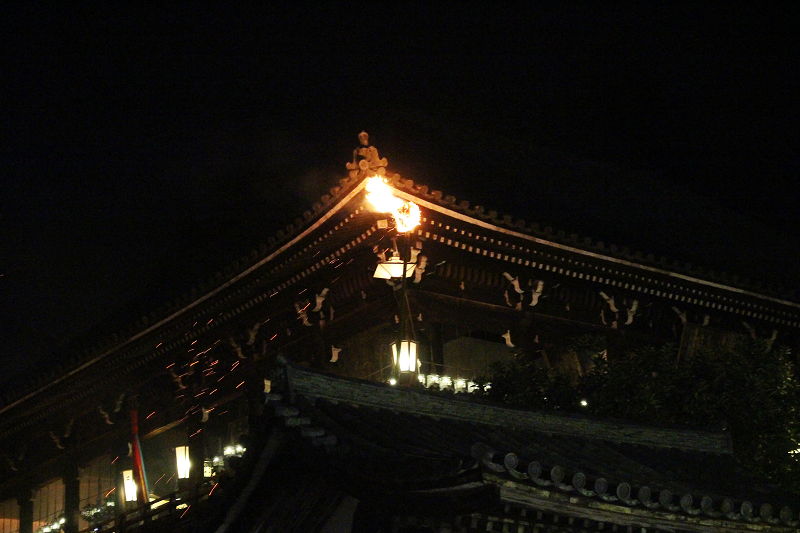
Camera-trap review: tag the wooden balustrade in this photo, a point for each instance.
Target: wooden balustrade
(175, 504)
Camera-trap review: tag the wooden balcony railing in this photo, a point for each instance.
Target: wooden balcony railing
(174, 505)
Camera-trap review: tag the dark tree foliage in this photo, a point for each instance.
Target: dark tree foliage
(751, 390)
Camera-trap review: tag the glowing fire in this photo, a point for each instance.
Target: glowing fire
(406, 214)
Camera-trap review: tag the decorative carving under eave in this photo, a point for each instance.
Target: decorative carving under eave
(516, 298)
(334, 354)
(365, 157)
(59, 441)
(631, 312)
(422, 264)
(15, 464)
(112, 417)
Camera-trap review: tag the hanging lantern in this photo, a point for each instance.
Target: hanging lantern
(182, 456)
(406, 360)
(129, 485)
(393, 268)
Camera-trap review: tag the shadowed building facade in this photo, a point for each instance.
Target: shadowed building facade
(274, 375)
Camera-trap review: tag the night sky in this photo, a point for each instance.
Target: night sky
(144, 149)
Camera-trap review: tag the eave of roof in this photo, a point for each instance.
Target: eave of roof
(636, 486)
(331, 204)
(407, 190)
(321, 385)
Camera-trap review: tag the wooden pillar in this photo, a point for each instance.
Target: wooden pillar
(526, 336)
(437, 347)
(72, 497)
(254, 390)
(25, 502)
(197, 452)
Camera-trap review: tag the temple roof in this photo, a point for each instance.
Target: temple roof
(339, 223)
(332, 247)
(391, 438)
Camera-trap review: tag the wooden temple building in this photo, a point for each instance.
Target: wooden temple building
(269, 398)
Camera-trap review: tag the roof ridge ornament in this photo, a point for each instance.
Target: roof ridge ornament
(366, 158)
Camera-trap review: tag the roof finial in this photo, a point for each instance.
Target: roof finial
(365, 159)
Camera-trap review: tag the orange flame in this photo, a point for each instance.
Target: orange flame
(406, 214)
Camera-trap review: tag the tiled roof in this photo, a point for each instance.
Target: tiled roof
(329, 231)
(283, 239)
(689, 473)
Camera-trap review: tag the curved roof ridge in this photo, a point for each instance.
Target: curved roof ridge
(372, 394)
(575, 243)
(112, 342)
(284, 237)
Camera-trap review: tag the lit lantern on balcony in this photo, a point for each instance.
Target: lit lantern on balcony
(182, 456)
(129, 485)
(406, 360)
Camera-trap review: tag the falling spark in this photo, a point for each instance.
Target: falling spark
(151, 414)
(194, 341)
(273, 337)
(170, 478)
(235, 365)
(159, 479)
(240, 384)
(109, 492)
(195, 433)
(212, 488)
(115, 460)
(170, 365)
(209, 322)
(159, 344)
(186, 511)
(212, 392)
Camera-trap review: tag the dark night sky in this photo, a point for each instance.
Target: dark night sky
(144, 149)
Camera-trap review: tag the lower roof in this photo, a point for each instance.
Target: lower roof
(394, 438)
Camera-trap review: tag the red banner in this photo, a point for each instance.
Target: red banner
(139, 474)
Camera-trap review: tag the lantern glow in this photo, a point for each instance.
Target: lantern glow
(406, 214)
(406, 360)
(182, 456)
(129, 485)
(393, 268)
